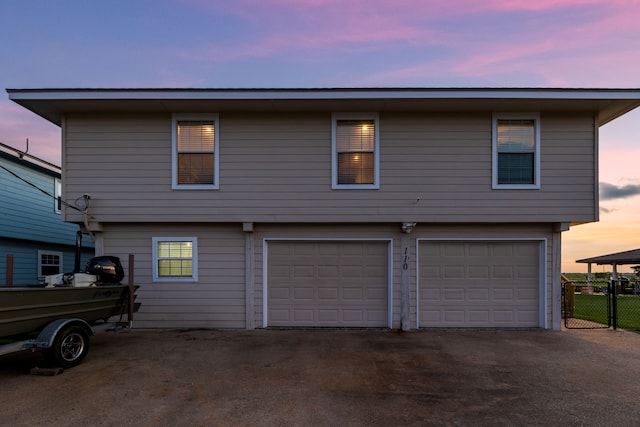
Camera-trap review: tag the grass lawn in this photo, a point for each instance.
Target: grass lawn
(594, 309)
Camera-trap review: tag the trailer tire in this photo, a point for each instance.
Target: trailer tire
(69, 347)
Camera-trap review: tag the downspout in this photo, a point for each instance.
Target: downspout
(76, 261)
(85, 213)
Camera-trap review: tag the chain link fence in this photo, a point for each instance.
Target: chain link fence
(585, 305)
(601, 304)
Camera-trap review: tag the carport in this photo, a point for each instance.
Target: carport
(619, 258)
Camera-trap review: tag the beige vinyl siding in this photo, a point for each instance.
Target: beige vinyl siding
(276, 167)
(216, 300)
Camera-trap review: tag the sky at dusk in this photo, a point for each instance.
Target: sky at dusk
(338, 43)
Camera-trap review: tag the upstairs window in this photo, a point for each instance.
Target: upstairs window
(175, 259)
(355, 146)
(516, 151)
(195, 151)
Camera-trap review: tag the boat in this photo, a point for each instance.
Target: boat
(59, 315)
(93, 295)
(25, 310)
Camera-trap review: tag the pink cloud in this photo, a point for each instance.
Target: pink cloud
(19, 124)
(316, 28)
(601, 52)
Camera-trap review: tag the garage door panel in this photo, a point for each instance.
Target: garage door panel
(479, 272)
(305, 316)
(504, 272)
(479, 250)
(506, 316)
(378, 317)
(454, 272)
(479, 294)
(452, 250)
(528, 295)
(340, 283)
(528, 316)
(280, 315)
(454, 294)
(377, 295)
(281, 271)
(353, 294)
(302, 294)
(479, 316)
(528, 272)
(326, 294)
(502, 294)
(281, 293)
(454, 316)
(352, 316)
(478, 284)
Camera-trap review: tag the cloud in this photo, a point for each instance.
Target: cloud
(611, 191)
(569, 43)
(606, 210)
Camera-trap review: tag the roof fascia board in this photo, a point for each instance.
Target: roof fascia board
(310, 94)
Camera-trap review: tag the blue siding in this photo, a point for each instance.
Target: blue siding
(28, 221)
(27, 212)
(25, 259)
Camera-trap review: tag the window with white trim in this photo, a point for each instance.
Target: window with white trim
(49, 263)
(195, 151)
(355, 146)
(175, 259)
(516, 151)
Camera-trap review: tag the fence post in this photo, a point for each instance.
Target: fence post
(609, 311)
(614, 303)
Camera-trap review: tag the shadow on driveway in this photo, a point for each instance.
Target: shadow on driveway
(331, 378)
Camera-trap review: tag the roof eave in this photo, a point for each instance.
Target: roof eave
(50, 104)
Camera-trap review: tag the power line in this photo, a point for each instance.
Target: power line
(41, 190)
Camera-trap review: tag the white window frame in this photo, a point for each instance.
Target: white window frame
(334, 151)
(536, 156)
(57, 192)
(51, 253)
(154, 251)
(174, 151)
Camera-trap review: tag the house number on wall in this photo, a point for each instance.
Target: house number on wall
(405, 260)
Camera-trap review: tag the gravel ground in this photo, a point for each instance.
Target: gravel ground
(334, 378)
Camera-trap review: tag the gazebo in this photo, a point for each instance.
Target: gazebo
(619, 258)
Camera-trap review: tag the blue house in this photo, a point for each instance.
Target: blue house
(32, 232)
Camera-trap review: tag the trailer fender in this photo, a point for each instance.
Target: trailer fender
(48, 334)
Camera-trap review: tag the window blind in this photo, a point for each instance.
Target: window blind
(195, 151)
(355, 146)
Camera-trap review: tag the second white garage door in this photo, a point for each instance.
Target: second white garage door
(328, 283)
(479, 284)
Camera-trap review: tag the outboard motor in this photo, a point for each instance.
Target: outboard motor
(107, 269)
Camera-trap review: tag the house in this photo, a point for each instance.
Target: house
(393, 208)
(34, 241)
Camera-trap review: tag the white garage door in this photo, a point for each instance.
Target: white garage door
(479, 284)
(328, 283)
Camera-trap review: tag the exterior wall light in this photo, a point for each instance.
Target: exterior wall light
(407, 227)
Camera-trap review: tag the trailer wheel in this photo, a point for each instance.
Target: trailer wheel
(70, 346)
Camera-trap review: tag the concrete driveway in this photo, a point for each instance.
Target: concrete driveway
(334, 378)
